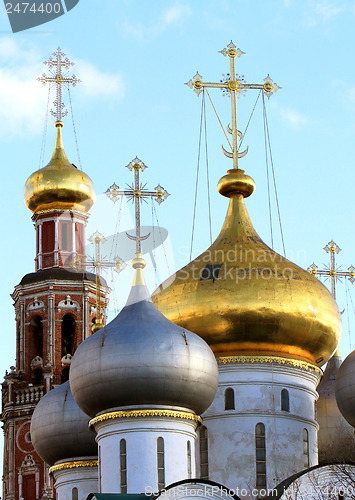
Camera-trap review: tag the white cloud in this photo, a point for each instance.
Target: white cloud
(322, 11)
(23, 100)
(94, 82)
(294, 118)
(173, 15)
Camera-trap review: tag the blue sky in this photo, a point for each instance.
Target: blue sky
(133, 58)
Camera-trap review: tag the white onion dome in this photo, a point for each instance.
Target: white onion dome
(345, 389)
(59, 429)
(142, 358)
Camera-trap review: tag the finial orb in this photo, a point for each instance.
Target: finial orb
(236, 182)
(138, 262)
(97, 325)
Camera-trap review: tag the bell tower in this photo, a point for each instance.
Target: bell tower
(55, 306)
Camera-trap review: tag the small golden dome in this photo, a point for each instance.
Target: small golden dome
(243, 298)
(59, 185)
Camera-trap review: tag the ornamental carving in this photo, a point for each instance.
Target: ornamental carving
(37, 361)
(28, 461)
(269, 360)
(66, 360)
(35, 305)
(73, 465)
(68, 303)
(145, 413)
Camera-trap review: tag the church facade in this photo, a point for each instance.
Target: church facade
(207, 387)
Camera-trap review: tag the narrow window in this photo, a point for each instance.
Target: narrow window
(64, 226)
(285, 400)
(48, 236)
(36, 329)
(229, 399)
(74, 494)
(99, 461)
(68, 331)
(260, 455)
(123, 465)
(189, 473)
(203, 453)
(305, 449)
(160, 460)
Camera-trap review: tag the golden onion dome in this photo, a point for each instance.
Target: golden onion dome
(59, 185)
(243, 298)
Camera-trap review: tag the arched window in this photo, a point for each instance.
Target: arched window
(285, 400)
(229, 399)
(36, 329)
(68, 331)
(65, 375)
(305, 449)
(74, 494)
(160, 461)
(260, 455)
(203, 453)
(123, 465)
(189, 472)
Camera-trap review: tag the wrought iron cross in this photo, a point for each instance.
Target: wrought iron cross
(59, 65)
(234, 85)
(332, 271)
(97, 263)
(137, 192)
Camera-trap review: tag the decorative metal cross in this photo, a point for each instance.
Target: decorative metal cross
(56, 64)
(333, 272)
(97, 263)
(233, 85)
(137, 192)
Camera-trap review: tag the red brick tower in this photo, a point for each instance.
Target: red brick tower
(55, 309)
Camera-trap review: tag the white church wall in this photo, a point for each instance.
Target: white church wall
(141, 436)
(75, 483)
(257, 394)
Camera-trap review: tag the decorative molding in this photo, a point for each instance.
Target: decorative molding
(269, 360)
(28, 461)
(66, 360)
(145, 413)
(35, 305)
(68, 303)
(73, 465)
(37, 361)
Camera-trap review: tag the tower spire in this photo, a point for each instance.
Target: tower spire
(59, 65)
(233, 85)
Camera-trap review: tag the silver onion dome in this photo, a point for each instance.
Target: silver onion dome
(345, 389)
(142, 358)
(336, 439)
(59, 429)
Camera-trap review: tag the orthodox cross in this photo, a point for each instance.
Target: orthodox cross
(97, 263)
(332, 271)
(233, 85)
(59, 65)
(137, 192)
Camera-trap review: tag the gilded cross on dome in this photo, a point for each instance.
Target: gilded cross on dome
(59, 65)
(234, 85)
(97, 263)
(332, 271)
(137, 192)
